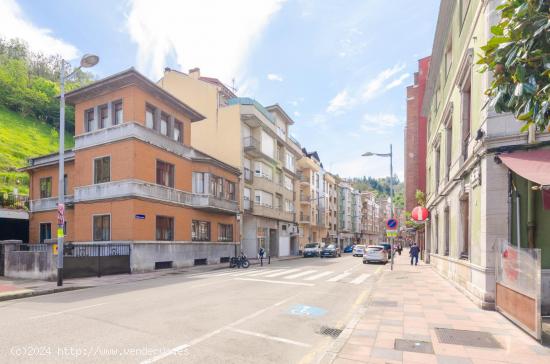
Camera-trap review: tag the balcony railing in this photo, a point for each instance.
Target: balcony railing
(303, 178)
(10, 201)
(305, 218)
(256, 104)
(136, 188)
(50, 203)
(251, 143)
(248, 205)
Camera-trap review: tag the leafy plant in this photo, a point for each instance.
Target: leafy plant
(518, 55)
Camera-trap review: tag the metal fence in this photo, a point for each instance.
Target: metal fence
(11, 201)
(94, 250)
(85, 260)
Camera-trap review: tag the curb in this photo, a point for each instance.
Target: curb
(29, 293)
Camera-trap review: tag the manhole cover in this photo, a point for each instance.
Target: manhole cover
(415, 346)
(330, 331)
(384, 303)
(467, 338)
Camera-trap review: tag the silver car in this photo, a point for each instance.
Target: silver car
(375, 253)
(358, 250)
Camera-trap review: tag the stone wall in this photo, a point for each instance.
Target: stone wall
(34, 264)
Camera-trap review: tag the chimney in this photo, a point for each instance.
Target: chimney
(195, 73)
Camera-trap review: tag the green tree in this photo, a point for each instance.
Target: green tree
(518, 55)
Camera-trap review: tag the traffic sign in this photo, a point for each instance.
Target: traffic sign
(391, 224)
(391, 233)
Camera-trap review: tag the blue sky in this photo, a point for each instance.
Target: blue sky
(339, 68)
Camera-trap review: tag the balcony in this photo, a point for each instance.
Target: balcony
(11, 201)
(273, 213)
(50, 203)
(248, 205)
(248, 175)
(304, 179)
(306, 200)
(304, 219)
(140, 189)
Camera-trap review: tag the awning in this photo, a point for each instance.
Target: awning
(533, 165)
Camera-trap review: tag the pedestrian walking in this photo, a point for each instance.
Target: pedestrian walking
(413, 252)
(261, 254)
(399, 248)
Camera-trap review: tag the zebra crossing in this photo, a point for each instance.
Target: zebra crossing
(286, 275)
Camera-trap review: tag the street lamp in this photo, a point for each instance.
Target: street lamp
(87, 61)
(390, 155)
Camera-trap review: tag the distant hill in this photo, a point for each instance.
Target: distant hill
(21, 138)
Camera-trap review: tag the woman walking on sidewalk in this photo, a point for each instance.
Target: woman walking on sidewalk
(413, 252)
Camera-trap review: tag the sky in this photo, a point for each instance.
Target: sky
(338, 67)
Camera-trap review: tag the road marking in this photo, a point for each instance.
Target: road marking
(211, 333)
(213, 275)
(66, 311)
(276, 282)
(282, 273)
(339, 276)
(265, 272)
(317, 276)
(246, 273)
(269, 337)
(360, 279)
(292, 276)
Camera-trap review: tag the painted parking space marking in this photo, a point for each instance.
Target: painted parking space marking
(301, 274)
(360, 279)
(339, 277)
(269, 337)
(305, 310)
(317, 276)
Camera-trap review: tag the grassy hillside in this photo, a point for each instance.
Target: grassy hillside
(21, 138)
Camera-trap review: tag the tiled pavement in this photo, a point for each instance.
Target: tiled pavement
(409, 302)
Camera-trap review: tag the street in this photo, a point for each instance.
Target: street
(269, 314)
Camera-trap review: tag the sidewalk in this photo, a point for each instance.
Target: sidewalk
(409, 303)
(20, 288)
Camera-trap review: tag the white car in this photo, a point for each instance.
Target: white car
(358, 250)
(375, 253)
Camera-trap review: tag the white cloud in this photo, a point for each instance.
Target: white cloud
(375, 87)
(340, 102)
(215, 35)
(274, 77)
(14, 24)
(397, 81)
(379, 123)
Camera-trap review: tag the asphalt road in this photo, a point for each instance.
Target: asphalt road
(270, 314)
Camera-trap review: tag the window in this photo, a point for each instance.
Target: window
(178, 131)
(102, 170)
(436, 234)
(465, 224)
(89, 120)
(150, 117)
(448, 55)
(165, 228)
(45, 187)
(219, 188)
(225, 232)
(447, 232)
(289, 162)
(263, 198)
(437, 167)
(200, 231)
(102, 228)
(165, 174)
(263, 170)
(448, 148)
(268, 147)
(103, 116)
(45, 231)
(164, 124)
(199, 181)
(117, 113)
(288, 183)
(466, 116)
(246, 199)
(464, 5)
(231, 194)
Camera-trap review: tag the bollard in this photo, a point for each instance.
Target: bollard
(269, 259)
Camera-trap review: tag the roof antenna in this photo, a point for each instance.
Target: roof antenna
(233, 87)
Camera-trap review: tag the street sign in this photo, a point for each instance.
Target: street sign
(391, 233)
(60, 214)
(140, 216)
(391, 224)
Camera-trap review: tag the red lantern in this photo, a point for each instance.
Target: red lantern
(420, 213)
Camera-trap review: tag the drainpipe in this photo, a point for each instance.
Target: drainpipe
(531, 223)
(518, 232)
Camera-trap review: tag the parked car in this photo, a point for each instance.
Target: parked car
(358, 250)
(311, 250)
(331, 250)
(387, 248)
(349, 248)
(375, 253)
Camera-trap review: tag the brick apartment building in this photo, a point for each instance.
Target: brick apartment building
(132, 176)
(415, 136)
